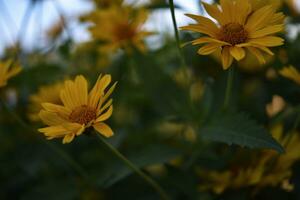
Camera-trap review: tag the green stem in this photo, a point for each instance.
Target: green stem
(57, 150)
(144, 176)
(172, 9)
(229, 87)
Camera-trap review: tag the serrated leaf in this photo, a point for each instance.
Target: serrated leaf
(239, 129)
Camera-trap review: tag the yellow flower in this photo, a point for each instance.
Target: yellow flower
(8, 70)
(80, 109)
(119, 27)
(239, 30)
(291, 73)
(49, 94)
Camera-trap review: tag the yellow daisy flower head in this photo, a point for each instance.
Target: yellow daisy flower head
(291, 73)
(49, 94)
(239, 29)
(120, 27)
(80, 109)
(8, 70)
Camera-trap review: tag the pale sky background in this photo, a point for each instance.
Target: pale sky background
(45, 14)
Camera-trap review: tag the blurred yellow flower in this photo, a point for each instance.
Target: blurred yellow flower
(265, 168)
(45, 94)
(276, 106)
(119, 27)
(8, 70)
(291, 73)
(239, 29)
(80, 109)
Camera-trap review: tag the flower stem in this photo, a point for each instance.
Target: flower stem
(172, 9)
(57, 150)
(144, 176)
(228, 87)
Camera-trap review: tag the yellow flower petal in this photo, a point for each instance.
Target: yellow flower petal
(58, 109)
(81, 90)
(209, 48)
(205, 22)
(98, 90)
(214, 12)
(200, 29)
(203, 40)
(268, 41)
(102, 108)
(266, 31)
(68, 138)
(103, 129)
(260, 18)
(226, 58)
(50, 118)
(75, 128)
(257, 54)
(105, 115)
(237, 52)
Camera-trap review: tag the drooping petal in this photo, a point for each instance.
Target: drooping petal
(68, 138)
(237, 52)
(257, 54)
(226, 58)
(103, 129)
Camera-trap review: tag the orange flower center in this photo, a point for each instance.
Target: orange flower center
(233, 33)
(82, 115)
(124, 32)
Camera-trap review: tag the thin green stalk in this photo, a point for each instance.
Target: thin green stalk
(57, 150)
(130, 165)
(229, 84)
(172, 9)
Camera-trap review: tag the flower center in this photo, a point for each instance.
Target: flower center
(233, 33)
(124, 32)
(82, 114)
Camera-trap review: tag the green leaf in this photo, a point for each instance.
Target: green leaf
(238, 128)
